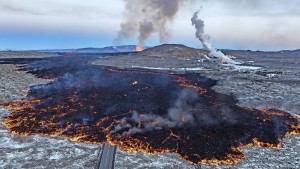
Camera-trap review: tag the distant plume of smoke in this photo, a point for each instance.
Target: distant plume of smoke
(148, 17)
(179, 114)
(204, 38)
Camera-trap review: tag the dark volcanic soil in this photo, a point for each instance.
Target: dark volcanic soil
(84, 103)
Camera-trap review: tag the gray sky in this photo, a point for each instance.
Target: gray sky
(236, 24)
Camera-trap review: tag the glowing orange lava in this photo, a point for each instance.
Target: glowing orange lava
(139, 48)
(135, 83)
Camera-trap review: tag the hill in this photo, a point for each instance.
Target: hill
(173, 50)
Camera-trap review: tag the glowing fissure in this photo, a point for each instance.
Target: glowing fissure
(139, 48)
(142, 111)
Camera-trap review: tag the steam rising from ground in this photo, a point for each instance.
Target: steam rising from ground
(146, 18)
(204, 38)
(178, 115)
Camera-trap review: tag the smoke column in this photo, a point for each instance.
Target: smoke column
(148, 17)
(204, 38)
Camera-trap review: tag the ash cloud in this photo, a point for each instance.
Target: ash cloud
(147, 18)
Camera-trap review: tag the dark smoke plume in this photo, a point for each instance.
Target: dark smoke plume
(148, 17)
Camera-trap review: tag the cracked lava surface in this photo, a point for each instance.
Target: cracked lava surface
(85, 103)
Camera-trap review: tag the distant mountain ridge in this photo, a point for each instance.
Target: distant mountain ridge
(109, 49)
(160, 49)
(292, 51)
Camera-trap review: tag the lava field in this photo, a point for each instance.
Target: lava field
(141, 111)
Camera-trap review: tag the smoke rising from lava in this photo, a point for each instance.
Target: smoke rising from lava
(179, 114)
(204, 38)
(85, 103)
(146, 18)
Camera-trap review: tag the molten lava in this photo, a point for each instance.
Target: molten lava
(135, 83)
(139, 48)
(142, 112)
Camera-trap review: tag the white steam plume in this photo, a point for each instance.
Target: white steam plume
(204, 38)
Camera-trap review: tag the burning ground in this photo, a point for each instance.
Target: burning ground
(142, 111)
(35, 151)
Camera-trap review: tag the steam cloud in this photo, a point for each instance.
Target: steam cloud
(178, 115)
(146, 18)
(204, 38)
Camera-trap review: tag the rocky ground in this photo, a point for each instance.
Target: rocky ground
(21, 54)
(35, 151)
(275, 85)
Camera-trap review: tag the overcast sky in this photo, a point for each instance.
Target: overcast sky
(235, 24)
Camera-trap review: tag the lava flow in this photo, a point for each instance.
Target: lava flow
(142, 112)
